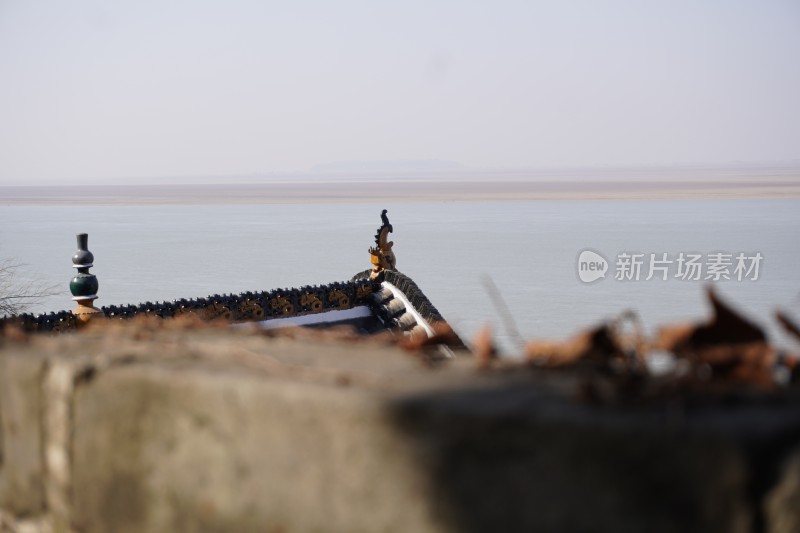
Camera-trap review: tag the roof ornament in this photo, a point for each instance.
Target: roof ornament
(381, 255)
(84, 285)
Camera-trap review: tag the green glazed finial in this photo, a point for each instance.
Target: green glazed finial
(84, 285)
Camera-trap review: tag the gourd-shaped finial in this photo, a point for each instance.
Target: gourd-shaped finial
(84, 285)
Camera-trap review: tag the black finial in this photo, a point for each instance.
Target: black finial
(84, 285)
(385, 220)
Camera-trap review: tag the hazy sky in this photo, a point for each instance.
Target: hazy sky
(109, 90)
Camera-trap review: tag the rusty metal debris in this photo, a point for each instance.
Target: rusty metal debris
(484, 348)
(787, 324)
(728, 349)
(604, 347)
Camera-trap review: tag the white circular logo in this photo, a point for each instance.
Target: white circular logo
(591, 266)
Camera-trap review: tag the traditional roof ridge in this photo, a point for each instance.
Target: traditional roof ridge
(395, 302)
(411, 291)
(242, 307)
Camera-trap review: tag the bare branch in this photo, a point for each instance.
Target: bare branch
(16, 295)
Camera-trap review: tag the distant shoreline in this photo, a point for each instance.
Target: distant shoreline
(437, 190)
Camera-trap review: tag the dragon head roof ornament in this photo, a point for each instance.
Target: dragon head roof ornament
(381, 255)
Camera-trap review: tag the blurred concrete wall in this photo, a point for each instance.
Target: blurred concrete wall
(209, 431)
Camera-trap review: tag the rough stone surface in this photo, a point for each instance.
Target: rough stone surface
(178, 449)
(501, 462)
(21, 407)
(209, 431)
(783, 501)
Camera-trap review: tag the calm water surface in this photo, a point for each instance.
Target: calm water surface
(528, 248)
